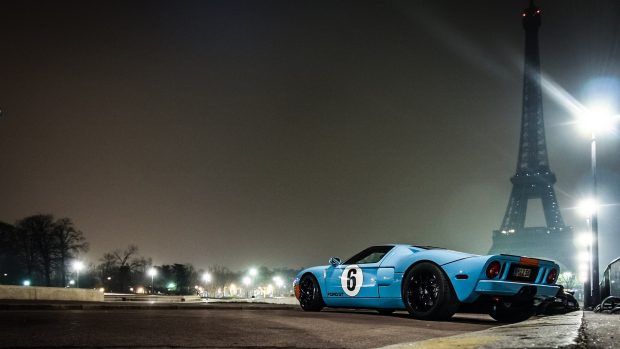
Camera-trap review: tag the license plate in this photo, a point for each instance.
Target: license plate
(522, 272)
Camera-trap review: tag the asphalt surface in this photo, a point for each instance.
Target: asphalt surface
(224, 326)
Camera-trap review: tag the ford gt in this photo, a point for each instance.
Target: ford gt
(430, 283)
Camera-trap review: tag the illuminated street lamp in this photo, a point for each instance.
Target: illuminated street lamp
(253, 272)
(77, 266)
(247, 281)
(152, 272)
(279, 283)
(206, 277)
(597, 118)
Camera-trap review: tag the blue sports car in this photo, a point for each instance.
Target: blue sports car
(430, 283)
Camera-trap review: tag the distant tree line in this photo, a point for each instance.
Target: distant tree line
(39, 248)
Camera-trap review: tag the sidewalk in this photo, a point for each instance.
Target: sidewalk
(601, 330)
(579, 329)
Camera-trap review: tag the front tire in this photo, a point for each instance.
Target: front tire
(310, 298)
(428, 294)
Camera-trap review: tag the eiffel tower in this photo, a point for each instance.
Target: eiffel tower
(533, 178)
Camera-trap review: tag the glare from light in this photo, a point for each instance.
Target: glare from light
(567, 275)
(597, 118)
(583, 256)
(247, 280)
(583, 267)
(152, 272)
(583, 239)
(278, 281)
(583, 276)
(26, 283)
(102, 290)
(233, 289)
(78, 266)
(71, 282)
(206, 277)
(171, 285)
(253, 272)
(587, 207)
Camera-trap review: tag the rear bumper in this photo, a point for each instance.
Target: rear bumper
(508, 288)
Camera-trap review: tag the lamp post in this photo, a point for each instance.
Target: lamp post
(587, 209)
(152, 272)
(77, 266)
(206, 278)
(596, 292)
(598, 118)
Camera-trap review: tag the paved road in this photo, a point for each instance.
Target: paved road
(214, 328)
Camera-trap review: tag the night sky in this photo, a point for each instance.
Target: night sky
(281, 133)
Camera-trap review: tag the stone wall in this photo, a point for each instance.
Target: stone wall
(49, 294)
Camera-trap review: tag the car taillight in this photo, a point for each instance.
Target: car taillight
(551, 276)
(493, 269)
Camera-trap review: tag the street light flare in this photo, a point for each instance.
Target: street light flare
(597, 118)
(583, 239)
(587, 207)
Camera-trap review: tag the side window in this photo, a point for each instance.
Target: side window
(370, 255)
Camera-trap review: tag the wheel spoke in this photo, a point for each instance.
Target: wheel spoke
(307, 292)
(423, 292)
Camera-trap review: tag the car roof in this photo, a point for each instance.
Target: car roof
(424, 247)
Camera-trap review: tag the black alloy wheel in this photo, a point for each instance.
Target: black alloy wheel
(310, 298)
(428, 294)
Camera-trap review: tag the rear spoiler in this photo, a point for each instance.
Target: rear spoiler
(526, 259)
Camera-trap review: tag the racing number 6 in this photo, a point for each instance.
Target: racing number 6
(352, 280)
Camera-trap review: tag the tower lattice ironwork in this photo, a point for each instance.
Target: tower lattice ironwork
(533, 178)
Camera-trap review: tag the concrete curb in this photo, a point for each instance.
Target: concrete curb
(548, 332)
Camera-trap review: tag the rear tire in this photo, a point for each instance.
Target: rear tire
(310, 298)
(428, 294)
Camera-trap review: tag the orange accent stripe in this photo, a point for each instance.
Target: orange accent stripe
(297, 292)
(528, 261)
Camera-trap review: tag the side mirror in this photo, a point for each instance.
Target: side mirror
(335, 261)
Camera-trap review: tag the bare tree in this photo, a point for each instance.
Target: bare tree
(123, 256)
(21, 244)
(221, 277)
(70, 242)
(39, 230)
(121, 264)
